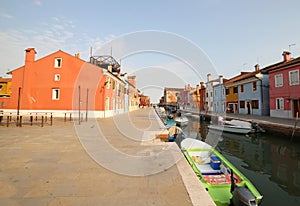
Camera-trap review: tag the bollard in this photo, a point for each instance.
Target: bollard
(65, 119)
(20, 123)
(70, 116)
(7, 123)
(46, 118)
(17, 123)
(36, 117)
(10, 117)
(42, 120)
(51, 119)
(31, 120)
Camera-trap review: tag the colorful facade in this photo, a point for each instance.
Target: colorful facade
(209, 100)
(232, 97)
(219, 96)
(285, 88)
(61, 83)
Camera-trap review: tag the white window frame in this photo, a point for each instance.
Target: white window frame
(107, 103)
(297, 76)
(57, 62)
(279, 103)
(55, 94)
(56, 77)
(277, 82)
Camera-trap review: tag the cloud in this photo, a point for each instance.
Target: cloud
(37, 2)
(6, 15)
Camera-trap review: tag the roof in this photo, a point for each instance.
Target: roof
(5, 79)
(59, 51)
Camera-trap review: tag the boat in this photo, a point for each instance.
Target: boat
(224, 182)
(255, 128)
(231, 128)
(181, 120)
(169, 122)
(236, 126)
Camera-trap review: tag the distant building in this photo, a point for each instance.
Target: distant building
(219, 96)
(253, 93)
(232, 97)
(209, 93)
(5, 87)
(285, 87)
(174, 96)
(144, 100)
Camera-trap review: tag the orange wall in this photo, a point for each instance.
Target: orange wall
(231, 97)
(36, 80)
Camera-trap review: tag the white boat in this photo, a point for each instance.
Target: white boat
(182, 120)
(231, 128)
(253, 125)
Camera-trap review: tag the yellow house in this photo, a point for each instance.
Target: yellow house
(5, 87)
(232, 96)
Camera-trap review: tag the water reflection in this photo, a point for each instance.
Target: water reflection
(272, 163)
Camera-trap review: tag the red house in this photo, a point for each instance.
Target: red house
(285, 88)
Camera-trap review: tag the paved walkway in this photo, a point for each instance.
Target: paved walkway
(65, 164)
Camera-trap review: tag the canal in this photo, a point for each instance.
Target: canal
(270, 161)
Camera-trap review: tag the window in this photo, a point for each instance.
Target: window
(1, 86)
(279, 103)
(294, 77)
(215, 93)
(235, 90)
(57, 62)
(278, 80)
(55, 94)
(56, 77)
(242, 88)
(211, 94)
(227, 91)
(242, 104)
(107, 82)
(254, 104)
(206, 94)
(253, 86)
(107, 103)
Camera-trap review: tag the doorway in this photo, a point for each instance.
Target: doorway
(296, 107)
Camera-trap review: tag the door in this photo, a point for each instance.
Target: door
(296, 104)
(248, 108)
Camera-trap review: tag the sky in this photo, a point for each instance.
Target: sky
(173, 38)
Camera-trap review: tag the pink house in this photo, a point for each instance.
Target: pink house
(285, 88)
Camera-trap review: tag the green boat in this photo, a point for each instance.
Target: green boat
(224, 182)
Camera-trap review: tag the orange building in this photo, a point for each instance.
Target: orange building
(62, 83)
(232, 96)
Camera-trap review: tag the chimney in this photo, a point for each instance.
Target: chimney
(29, 55)
(202, 85)
(256, 66)
(208, 77)
(286, 56)
(220, 79)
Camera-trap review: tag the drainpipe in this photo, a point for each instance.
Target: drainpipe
(259, 76)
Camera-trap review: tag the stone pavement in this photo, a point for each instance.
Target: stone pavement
(64, 164)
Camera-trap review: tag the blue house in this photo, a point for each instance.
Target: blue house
(253, 93)
(219, 96)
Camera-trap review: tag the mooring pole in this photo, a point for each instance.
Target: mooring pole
(79, 104)
(87, 104)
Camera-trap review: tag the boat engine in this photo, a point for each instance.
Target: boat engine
(242, 196)
(256, 127)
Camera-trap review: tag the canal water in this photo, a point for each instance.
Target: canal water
(269, 160)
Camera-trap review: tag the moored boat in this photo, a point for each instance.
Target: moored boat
(224, 182)
(231, 128)
(182, 120)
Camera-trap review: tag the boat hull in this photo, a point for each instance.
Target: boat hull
(230, 129)
(216, 182)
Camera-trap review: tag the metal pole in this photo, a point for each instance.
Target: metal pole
(79, 104)
(87, 104)
(18, 110)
